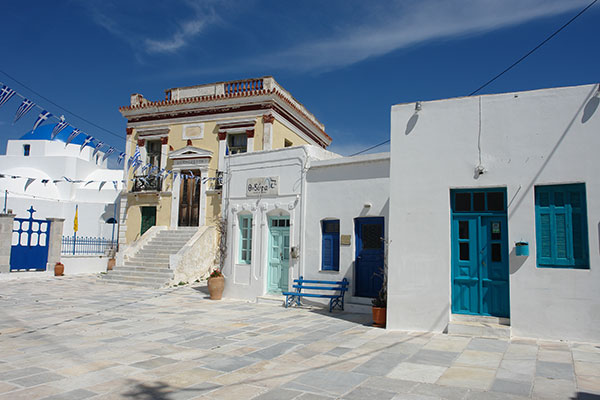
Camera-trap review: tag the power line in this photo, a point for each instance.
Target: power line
(370, 148)
(534, 49)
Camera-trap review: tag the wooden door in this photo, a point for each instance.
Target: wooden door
(189, 200)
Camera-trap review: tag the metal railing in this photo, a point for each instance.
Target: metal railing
(147, 183)
(86, 245)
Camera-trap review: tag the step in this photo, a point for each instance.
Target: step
(479, 329)
(133, 262)
(140, 268)
(145, 257)
(142, 274)
(138, 284)
(136, 279)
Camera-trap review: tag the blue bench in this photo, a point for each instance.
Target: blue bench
(302, 285)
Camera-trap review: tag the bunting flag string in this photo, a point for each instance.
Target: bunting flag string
(135, 162)
(23, 109)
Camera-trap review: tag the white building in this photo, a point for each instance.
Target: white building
(303, 211)
(470, 177)
(41, 165)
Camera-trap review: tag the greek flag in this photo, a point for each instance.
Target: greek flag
(135, 157)
(121, 158)
(5, 94)
(108, 153)
(87, 141)
(23, 109)
(44, 115)
(62, 124)
(97, 148)
(72, 136)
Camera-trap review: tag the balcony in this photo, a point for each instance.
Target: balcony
(147, 183)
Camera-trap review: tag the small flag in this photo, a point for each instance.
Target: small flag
(62, 124)
(23, 109)
(97, 148)
(87, 141)
(115, 185)
(44, 115)
(76, 220)
(5, 94)
(136, 156)
(121, 157)
(72, 136)
(108, 153)
(68, 179)
(102, 183)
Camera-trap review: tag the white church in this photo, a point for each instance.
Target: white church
(55, 178)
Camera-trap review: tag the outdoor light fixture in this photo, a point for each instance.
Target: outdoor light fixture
(418, 106)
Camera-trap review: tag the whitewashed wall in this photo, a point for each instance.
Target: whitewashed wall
(549, 136)
(248, 281)
(342, 189)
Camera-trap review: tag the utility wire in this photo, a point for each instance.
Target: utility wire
(507, 69)
(534, 49)
(370, 148)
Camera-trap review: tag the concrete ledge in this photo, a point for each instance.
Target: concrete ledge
(75, 265)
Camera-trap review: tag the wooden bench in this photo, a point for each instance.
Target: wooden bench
(302, 285)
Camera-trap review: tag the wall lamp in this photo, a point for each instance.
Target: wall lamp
(418, 106)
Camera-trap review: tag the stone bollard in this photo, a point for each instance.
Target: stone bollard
(54, 241)
(6, 233)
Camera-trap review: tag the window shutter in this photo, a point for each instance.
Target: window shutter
(327, 252)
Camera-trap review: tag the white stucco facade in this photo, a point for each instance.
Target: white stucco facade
(41, 183)
(520, 141)
(314, 185)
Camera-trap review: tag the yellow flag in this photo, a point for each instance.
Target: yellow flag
(76, 221)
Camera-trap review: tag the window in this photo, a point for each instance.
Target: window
(478, 200)
(561, 226)
(237, 143)
(153, 150)
(26, 149)
(330, 260)
(245, 239)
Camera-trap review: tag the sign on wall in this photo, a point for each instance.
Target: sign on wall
(262, 186)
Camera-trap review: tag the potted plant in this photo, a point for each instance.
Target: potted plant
(379, 303)
(59, 269)
(216, 284)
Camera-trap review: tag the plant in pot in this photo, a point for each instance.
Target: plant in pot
(379, 303)
(216, 284)
(216, 280)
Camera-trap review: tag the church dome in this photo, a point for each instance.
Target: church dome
(44, 132)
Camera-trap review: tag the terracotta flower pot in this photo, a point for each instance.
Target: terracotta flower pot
(59, 269)
(379, 316)
(215, 287)
(111, 264)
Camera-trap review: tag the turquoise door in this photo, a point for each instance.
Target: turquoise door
(480, 265)
(279, 255)
(368, 265)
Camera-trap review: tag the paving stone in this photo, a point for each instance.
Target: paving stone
(362, 393)
(78, 394)
(554, 370)
(278, 394)
(19, 373)
(512, 387)
(468, 377)
(548, 388)
(433, 357)
(485, 344)
(154, 363)
(417, 372)
(438, 391)
(381, 364)
(475, 358)
(229, 364)
(338, 351)
(389, 384)
(38, 379)
(327, 382)
(274, 351)
(589, 384)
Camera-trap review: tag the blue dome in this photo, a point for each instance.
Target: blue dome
(44, 132)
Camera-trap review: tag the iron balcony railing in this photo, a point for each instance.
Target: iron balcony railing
(147, 183)
(86, 245)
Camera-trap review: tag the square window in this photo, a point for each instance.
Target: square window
(462, 202)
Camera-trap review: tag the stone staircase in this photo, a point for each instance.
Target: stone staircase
(149, 266)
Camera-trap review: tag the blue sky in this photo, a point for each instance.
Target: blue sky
(347, 61)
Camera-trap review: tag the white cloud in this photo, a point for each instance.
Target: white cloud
(179, 39)
(408, 23)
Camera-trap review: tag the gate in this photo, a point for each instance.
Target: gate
(29, 243)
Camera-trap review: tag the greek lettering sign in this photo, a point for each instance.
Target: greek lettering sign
(262, 186)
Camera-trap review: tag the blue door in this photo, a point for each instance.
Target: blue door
(29, 249)
(480, 253)
(368, 265)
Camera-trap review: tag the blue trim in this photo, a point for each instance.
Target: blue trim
(566, 203)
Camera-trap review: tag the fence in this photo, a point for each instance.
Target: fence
(86, 245)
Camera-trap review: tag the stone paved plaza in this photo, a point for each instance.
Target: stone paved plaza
(80, 338)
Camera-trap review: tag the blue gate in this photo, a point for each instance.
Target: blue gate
(30, 243)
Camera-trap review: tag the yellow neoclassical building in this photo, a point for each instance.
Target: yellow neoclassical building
(192, 132)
